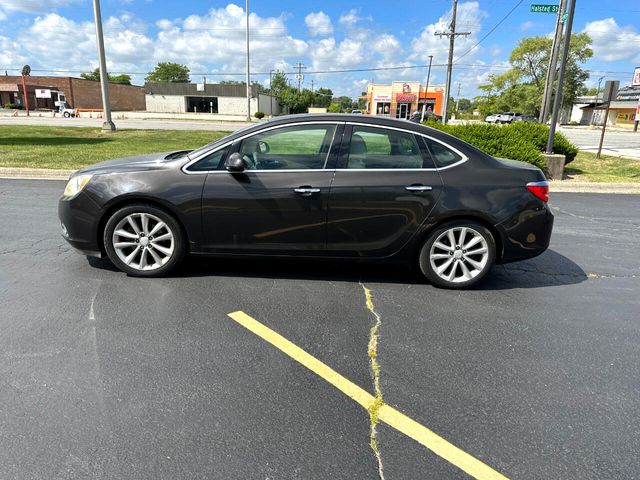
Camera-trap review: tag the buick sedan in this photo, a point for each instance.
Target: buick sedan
(352, 187)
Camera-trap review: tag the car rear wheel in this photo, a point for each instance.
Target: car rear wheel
(457, 254)
(144, 241)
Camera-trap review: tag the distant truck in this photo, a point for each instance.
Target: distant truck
(63, 107)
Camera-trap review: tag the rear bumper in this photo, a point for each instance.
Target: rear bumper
(527, 235)
(79, 218)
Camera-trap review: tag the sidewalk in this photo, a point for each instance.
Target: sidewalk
(556, 186)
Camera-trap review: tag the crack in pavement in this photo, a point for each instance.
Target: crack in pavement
(372, 350)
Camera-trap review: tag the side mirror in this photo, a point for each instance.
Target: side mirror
(234, 163)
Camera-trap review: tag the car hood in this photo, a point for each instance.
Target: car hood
(152, 161)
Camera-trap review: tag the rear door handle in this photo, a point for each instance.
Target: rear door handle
(306, 190)
(418, 188)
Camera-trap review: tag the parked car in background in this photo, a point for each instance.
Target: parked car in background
(508, 117)
(493, 118)
(526, 118)
(353, 187)
(356, 112)
(417, 116)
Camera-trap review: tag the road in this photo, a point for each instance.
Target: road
(534, 373)
(616, 143)
(141, 124)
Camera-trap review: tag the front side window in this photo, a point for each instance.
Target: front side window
(210, 162)
(300, 147)
(442, 156)
(380, 148)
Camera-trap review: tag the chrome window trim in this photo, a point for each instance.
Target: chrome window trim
(464, 157)
(239, 139)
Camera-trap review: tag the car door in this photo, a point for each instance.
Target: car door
(278, 204)
(384, 188)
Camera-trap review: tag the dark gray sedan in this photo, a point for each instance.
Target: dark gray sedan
(333, 186)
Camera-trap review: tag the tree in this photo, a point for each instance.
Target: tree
(322, 97)
(169, 72)
(521, 87)
(95, 76)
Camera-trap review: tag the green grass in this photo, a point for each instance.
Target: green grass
(606, 169)
(71, 147)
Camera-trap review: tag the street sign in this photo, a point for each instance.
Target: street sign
(43, 93)
(611, 89)
(540, 8)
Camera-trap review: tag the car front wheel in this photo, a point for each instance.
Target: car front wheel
(457, 254)
(144, 241)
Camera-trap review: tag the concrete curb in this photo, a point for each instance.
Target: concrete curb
(35, 173)
(593, 187)
(555, 186)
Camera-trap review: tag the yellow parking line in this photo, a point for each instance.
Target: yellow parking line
(387, 414)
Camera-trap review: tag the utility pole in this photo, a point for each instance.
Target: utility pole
(458, 98)
(553, 62)
(593, 115)
(557, 101)
(452, 34)
(312, 82)
(299, 75)
(426, 90)
(248, 73)
(271, 92)
(107, 124)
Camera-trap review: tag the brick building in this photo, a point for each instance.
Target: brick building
(80, 93)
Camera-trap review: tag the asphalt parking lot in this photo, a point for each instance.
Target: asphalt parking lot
(534, 373)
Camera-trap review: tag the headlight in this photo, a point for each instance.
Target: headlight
(76, 184)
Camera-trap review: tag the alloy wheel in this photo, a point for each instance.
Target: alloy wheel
(459, 254)
(143, 241)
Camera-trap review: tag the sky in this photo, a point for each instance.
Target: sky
(58, 37)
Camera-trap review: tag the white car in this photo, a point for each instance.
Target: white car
(492, 118)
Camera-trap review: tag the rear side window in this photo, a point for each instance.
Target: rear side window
(378, 148)
(442, 155)
(210, 162)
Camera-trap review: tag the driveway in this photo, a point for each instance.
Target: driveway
(616, 143)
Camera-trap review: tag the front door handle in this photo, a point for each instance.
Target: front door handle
(306, 190)
(418, 188)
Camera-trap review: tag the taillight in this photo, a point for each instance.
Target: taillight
(540, 190)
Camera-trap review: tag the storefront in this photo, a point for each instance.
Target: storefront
(401, 99)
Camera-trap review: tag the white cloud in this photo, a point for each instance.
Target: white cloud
(218, 37)
(318, 23)
(612, 42)
(34, 6)
(350, 18)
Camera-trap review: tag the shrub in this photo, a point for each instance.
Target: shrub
(522, 141)
(13, 106)
(259, 115)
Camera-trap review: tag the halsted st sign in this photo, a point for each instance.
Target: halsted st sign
(539, 8)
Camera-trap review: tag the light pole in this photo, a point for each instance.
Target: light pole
(107, 124)
(426, 90)
(271, 92)
(248, 85)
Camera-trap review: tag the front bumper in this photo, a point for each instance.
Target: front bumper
(79, 217)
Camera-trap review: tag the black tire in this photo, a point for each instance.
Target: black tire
(172, 226)
(426, 265)
(66, 114)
